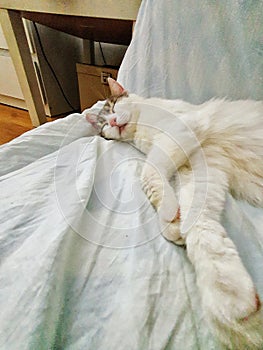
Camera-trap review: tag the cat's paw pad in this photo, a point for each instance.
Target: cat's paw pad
(171, 229)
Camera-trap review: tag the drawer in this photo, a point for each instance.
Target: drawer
(93, 84)
(3, 44)
(9, 84)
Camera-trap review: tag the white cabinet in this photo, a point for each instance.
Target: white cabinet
(10, 91)
(9, 85)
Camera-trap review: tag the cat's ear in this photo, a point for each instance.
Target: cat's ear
(116, 88)
(92, 119)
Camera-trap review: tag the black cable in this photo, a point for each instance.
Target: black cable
(102, 54)
(51, 68)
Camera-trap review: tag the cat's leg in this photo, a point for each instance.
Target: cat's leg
(157, 170)
(167, 154)
(160, 193)
(229, 297)
(184, 191)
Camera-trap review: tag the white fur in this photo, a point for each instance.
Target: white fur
(212, 148)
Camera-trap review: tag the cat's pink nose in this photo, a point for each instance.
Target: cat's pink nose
(113, 121)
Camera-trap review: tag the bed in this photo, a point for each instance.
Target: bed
(83, 264)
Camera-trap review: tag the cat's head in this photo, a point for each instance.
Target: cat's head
(115, 121)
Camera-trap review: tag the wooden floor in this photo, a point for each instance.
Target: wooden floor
(13, 122)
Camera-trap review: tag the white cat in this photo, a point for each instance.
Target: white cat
(210, 148)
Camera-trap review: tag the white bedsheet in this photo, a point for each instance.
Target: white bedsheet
(83, 265)
(112, 289)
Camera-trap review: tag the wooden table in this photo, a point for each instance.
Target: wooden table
(99, 20)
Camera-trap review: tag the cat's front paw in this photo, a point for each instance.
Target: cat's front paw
(171, 229)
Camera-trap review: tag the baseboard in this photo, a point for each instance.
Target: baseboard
(12, 101)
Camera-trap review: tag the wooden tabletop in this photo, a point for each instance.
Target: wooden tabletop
(116, 9)
(106, 30)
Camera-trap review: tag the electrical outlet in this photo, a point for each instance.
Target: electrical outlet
(104, 76)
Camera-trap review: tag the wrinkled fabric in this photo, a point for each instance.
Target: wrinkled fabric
(196, 50)
(83, 264)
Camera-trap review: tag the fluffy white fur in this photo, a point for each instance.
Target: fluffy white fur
(209, 149)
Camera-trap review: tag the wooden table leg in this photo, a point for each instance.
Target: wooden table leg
(15, 36)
